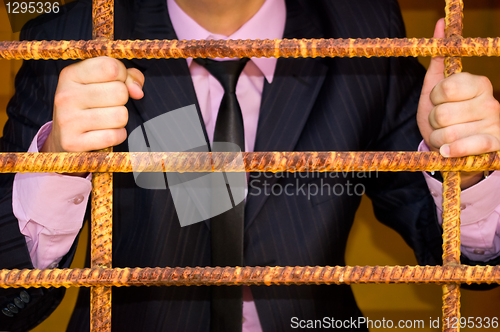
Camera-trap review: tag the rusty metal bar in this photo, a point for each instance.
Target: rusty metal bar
(276, 275)
(101, 276)
(451, 185)
(451, 218)
(102, 195)
(285, 48)
(102, 20)
(101, 246)
(451, 247)
(250, 162)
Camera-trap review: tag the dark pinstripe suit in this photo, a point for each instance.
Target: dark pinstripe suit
(312, 104)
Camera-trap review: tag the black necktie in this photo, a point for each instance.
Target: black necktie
(227, 228)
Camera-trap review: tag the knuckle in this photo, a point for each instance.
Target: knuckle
(110, 69)
(434, 139)
(63, 97)
(495, 128)
(115, 137)
(449, 88)
(485, 83)
(121, 116)
(442, 116)
(493, 105)
(121, 135)
(450, 135)
(121, 93)
(66, 72)
(489, 145)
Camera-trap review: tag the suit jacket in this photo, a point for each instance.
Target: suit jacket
(312, 105)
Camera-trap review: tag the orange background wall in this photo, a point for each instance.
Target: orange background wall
(370, 242)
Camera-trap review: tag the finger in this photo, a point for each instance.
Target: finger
(449, 114)
(470, 146)
(460, 87)
(102, 118)
(101, 139)
(435, 72)
(95, 70)
(134, 83)
(99, 95)
(454, 133)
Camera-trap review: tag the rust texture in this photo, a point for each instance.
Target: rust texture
(276, 275)
(102, 19)
(101, 247)
(102, 195)
(451, 183)
(252, 162)
(451, 218)
(451, 307)
(451, 247)
(284, 48)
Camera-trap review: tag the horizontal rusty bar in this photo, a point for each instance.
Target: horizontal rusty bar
(287, 48)
(214, 276)
(250, 162)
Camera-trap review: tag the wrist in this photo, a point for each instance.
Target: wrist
(49, 146)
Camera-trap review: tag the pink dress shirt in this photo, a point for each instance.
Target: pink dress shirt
(50, 207)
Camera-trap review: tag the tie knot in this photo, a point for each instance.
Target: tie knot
(226, 72)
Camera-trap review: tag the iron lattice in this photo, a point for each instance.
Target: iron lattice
(101, 276)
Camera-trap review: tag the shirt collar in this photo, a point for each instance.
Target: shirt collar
(267, 23)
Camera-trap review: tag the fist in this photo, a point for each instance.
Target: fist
(458, 116)
(89, 105)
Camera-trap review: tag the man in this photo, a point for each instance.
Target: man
(294, 104)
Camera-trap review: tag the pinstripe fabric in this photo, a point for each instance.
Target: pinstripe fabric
(312, 104)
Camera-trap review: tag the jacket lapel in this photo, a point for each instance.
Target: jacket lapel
(287, 101)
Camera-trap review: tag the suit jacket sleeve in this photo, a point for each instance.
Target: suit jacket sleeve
(402, 200)
(28, 110)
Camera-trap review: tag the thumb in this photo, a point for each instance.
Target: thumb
(434, 75)
(435, 72)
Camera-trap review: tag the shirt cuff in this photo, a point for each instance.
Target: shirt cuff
(479, 217)
(50, 208)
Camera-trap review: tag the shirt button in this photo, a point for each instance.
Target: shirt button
(478, 251)
(25, 297)
(19, 303)
(433, 193)
(463, 207)
(12, 308)
(78, 199)
(7, 312)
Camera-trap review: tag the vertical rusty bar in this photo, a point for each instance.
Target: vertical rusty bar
(102, 195)
(102, 19)
(451, 248)
(451, 187)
